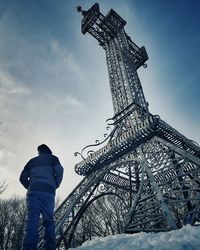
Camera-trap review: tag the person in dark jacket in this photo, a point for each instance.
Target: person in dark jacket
(41, 177)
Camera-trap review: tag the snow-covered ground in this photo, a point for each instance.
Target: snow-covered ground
(186, 238)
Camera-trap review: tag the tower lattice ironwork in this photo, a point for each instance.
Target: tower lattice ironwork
(145, 174)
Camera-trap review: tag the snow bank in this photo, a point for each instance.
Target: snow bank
(186, 238)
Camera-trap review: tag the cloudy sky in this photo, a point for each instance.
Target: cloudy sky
(54, 85)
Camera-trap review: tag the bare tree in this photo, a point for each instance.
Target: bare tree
(105, 216)
(12, 221)
(3, 186)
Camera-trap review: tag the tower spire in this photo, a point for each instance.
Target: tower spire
(123, 57)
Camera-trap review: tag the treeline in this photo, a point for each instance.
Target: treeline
(12, 221)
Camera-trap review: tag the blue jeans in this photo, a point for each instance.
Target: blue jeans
(39, 203)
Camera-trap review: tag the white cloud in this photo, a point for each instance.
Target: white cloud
(10, 86)
(65, 61)
(73, 102)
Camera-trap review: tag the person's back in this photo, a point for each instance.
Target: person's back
(41, 176)
(41, 171)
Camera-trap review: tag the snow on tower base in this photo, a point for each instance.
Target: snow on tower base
(186, 238)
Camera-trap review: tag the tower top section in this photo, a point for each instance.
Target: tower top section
(106, 28)
(109, 25)
(123, 57)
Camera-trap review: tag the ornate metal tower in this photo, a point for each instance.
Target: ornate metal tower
(145, 176)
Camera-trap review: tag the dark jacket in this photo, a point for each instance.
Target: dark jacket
(43, 173)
